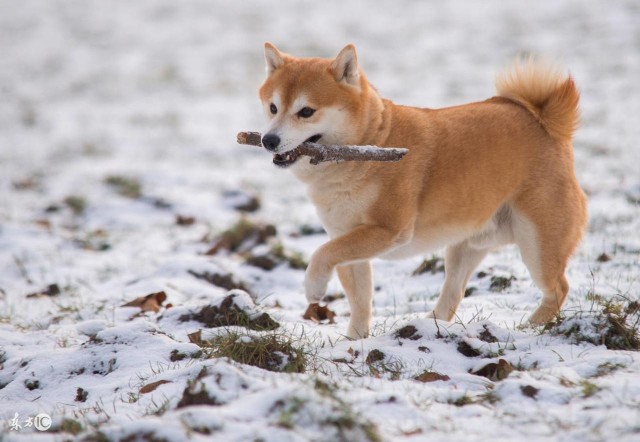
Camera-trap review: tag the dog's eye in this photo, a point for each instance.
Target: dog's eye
(306, 112)
(273, 108)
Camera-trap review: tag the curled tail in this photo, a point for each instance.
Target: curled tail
(550, 95)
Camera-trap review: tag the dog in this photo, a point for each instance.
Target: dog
(477, 176)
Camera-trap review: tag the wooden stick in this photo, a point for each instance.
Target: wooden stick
(320, 153)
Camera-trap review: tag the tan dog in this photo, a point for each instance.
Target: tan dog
(477, 176)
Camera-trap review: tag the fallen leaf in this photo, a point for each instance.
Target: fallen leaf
(318, 313)
(195, 337)
(152, 386)
(495, 372)
(431, 376)
(529, 391)
(149, 303)
(468, 350)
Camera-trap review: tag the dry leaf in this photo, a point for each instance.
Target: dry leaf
(319, 313)
(431, 376)
(195, 337)
(495, 372)
(149, 303)
(152, 386)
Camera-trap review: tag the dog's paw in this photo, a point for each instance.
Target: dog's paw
(432, 316)
(316, 280)
(357, 331)
(315, 288)
(543, 315)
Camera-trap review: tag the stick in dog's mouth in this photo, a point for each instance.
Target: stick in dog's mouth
(321, 153)
(288, 158)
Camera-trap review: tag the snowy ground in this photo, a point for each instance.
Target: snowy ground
(97, 98)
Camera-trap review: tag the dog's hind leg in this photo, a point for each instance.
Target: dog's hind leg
(459, 262)
(546, 243)
(357, 281)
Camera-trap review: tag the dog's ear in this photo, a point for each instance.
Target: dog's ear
(273, 57)
(345, 66)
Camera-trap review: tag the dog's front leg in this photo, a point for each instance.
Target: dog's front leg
(361, 244)
(357, 282)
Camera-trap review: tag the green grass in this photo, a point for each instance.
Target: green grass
(271, 351)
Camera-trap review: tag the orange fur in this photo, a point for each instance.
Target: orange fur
(477, 176)
(545, 92)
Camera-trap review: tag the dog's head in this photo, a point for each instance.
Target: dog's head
(309, 99)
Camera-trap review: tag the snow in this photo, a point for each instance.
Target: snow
(155, 91)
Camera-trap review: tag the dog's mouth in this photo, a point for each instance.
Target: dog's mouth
(288, 158)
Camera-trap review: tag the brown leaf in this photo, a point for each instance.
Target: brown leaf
(195, 337)
(529, 391)
(318, 313)
(149, 303)
(468, 350)
(431, 376)
(152, 386)
(495, 372)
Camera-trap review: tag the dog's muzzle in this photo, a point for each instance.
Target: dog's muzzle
(288, 158)
(270, 142)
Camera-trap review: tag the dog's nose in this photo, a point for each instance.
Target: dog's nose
(271, 141)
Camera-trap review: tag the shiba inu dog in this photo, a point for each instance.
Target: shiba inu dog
(477, 176)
